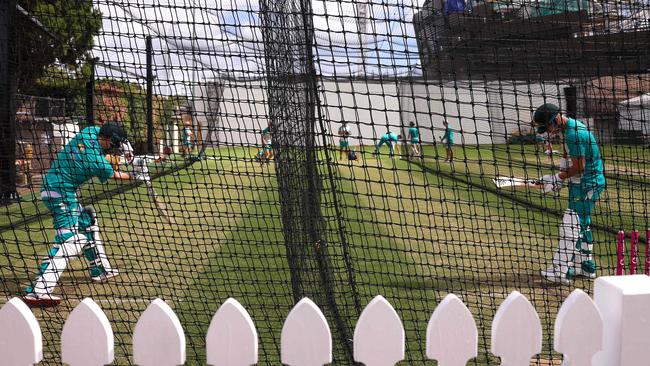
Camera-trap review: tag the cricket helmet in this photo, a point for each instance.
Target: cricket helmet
(544, 116)
(114, 131)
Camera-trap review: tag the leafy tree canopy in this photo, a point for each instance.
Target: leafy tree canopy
(64, 36)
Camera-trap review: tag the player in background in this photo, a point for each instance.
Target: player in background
(188, 139)
(398, 145)
(81, 159)
(344, 139)
(266, 153)
(448, 139)
(390, 139)
(582, 168)
(414, 139)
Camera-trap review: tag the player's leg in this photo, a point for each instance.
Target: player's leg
(259, 154)
(264, 154)
(67, 245)
(99, 266)
(561, 270)
(391, 147)
(415, 148)
(379, 145)
(584, 202)
(269, 154)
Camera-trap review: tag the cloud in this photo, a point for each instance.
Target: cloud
(196, 40)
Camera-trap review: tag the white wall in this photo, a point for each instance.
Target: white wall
(634, 115)
(511, 105)
(464, 109)
(479, 113)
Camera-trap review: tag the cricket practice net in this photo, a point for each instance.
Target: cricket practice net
(334, 150)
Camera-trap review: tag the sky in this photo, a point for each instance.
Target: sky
(195, 40)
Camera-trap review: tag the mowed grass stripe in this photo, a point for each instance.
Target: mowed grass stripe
(156, 260)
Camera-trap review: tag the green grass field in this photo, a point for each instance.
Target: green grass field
(415, 231)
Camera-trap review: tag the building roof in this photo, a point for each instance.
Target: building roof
(642, 100)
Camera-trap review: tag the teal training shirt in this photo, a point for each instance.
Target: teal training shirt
(414, 133)
(449, 135)
(580, 143)
(392, 137)
(80, 160)
(186, 135)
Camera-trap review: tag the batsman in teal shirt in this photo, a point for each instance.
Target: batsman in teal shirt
(81, 159)
(584, 190)
(582, 170)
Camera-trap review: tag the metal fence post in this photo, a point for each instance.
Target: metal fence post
(149, 96)
(7, 107)
(90, 95)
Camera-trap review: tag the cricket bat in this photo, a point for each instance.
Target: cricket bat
(160, 205)
(140, 166)
(502, 182)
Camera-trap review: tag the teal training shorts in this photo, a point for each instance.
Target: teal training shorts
(67, 213)
(583, 201)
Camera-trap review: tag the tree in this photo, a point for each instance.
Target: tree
(53, 31)
(60, 81)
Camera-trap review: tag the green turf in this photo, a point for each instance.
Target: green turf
(415, 230)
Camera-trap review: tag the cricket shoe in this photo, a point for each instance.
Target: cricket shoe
(34, 300)
(584, 266)
(104, 277)
(555, 276)
(579, 272)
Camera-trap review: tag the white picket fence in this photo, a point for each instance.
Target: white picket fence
(609, 330)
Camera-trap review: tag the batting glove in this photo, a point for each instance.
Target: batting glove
(141, 177)
(551, 183)
(140, 166)
(127, 152)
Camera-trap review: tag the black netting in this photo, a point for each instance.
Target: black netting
(329, 149)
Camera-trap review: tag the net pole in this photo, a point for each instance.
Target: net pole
(149, 96)
(90, 95)
(7, 92)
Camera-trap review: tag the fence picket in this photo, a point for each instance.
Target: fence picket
(379, 335)
(158, 338)
(578, 330)
(306, 339)
(232, 338)
(21, 341)
(608, 330)
(87, 337)
(623, 302)
(516, 331)
(452, 336)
